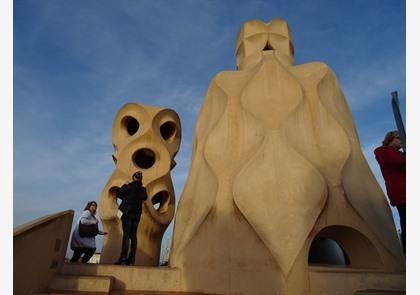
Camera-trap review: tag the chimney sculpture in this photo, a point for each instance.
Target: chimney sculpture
(276, 166)
(145, 138)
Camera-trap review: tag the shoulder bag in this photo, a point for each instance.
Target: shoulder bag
(88, 230)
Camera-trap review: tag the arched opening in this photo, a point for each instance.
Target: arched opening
(342, 246)
(130, 125)
(144, 158)
(327, 251)
(168, 130)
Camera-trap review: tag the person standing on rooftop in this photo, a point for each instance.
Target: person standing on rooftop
(392, 163)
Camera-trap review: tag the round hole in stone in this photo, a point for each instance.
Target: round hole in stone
(130, 124)
(144, 158)
(160, 201)
(168, 130)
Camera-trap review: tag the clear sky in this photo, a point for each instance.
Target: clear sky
(77, 62)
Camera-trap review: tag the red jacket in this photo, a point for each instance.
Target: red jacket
(392, 163)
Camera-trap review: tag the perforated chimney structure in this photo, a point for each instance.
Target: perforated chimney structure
(146, 139)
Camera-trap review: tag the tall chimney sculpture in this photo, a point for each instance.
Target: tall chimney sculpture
(145, 138)
(276, 166)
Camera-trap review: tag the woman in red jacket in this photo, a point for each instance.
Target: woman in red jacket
(392, 163)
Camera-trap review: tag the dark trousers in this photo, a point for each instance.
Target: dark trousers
(130, 224)
(401, 212)
(79, 251)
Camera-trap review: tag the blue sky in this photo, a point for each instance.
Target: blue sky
(77, 62)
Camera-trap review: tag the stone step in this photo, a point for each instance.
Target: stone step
(356, 281)
(122, 292)
(117, 292)
(77, 283)
(379, 292)
(133, 278)
(57, 292)
(140, 280)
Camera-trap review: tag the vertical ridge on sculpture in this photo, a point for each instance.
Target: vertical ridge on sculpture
(145, 138)
(276, 164)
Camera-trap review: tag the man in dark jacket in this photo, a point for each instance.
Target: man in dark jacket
(132, 196)
(392, 163)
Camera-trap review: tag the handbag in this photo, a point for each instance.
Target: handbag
(88, 230)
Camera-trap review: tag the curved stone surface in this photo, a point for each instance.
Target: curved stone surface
(276, 159)
(145, 138)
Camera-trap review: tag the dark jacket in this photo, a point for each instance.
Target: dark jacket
(132, 196)
(392, 163)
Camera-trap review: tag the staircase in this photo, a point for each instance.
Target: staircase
(379, 292)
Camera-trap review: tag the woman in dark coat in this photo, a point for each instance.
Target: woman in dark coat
(392, 163)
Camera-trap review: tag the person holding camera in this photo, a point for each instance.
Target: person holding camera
(132, 195)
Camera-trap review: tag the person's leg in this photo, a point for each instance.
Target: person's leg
(125, 239)
(88, 254)
(401, 211)
(133, 237)
(77, 252)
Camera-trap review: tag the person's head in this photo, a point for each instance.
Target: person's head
(91, 206)
(138, 176)
(392, 139)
